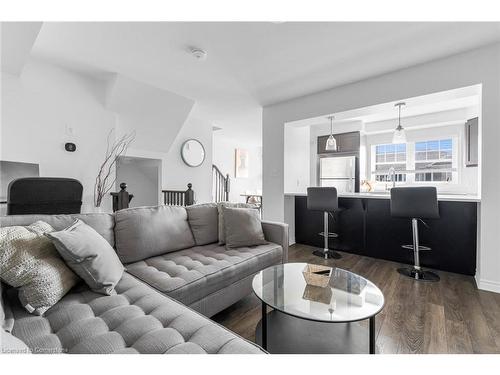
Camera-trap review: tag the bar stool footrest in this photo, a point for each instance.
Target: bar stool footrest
(420, 248)
(330, 234)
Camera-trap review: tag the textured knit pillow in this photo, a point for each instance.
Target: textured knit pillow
(220, 209)
(90, 256)
(243, 227)
(30, 262)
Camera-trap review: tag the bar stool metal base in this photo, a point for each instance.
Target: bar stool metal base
(329, 254)
(419, 275)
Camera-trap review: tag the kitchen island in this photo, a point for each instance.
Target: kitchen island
(365, 227)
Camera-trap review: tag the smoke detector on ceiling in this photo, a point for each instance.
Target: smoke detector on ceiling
(198, 53)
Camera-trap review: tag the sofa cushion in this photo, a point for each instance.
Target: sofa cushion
(10, 344)
(89, 255)
(243, 227)
(191, 274)
(144, 232)
(103, 223)
(203, 219)
(135, 320)
(30, 262)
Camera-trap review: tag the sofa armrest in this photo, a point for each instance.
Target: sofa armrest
(277, 233)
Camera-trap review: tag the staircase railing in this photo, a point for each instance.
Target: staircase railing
(179, 197)
(221, 185)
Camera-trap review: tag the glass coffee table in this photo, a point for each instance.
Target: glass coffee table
(303, 311)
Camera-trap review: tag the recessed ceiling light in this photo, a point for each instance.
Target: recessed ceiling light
(198, 53)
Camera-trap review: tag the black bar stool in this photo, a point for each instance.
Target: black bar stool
(324, 199)
(415, 203)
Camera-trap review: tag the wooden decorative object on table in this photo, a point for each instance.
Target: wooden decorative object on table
(317, 275)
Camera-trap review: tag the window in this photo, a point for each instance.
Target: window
(416, 162)
(435, 157)
(387, 156)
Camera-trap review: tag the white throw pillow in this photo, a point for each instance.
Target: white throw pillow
(30, 262)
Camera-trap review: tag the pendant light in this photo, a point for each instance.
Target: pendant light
(399, 133)
(331, 142)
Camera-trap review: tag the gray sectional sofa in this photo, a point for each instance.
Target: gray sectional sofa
(177, 276)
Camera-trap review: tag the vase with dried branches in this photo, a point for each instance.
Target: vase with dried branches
(106, 177)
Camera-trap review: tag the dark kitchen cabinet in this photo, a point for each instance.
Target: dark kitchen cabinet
(346, 142)
(366, 227)
(471, 142)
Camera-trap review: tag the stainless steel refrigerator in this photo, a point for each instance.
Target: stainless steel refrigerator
(341, 172)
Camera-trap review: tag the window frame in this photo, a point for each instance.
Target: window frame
(411, 162)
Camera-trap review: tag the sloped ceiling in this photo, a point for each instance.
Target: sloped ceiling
(253, 64)
(17, 39)
(156, 115)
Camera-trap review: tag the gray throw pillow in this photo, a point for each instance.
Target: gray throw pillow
(144, 232)
(90, 256)
(203, 220)
(220, 209)
(243, 227)
(30, 263)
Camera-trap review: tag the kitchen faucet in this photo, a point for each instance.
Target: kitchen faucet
(392, 175)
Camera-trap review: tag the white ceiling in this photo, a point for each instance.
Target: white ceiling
(250, 65)
(438, 102)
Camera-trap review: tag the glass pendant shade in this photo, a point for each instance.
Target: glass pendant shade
(399, 135)
(331, 144)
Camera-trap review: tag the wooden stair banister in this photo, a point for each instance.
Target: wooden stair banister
(122, 198)
(221, 185)
(179, 197)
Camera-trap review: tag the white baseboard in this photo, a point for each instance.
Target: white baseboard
(488, 285)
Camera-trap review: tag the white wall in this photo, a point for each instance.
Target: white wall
(36, 109)
(38, 106)
(156, 114)
(175, 173)
(297, 159)
(480, 66)
(224, 158)
(142, 177)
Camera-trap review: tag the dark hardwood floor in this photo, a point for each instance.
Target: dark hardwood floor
(451, 316)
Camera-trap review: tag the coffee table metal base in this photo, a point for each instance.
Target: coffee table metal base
(286, 334)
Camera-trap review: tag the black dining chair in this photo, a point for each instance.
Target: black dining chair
(44, 195)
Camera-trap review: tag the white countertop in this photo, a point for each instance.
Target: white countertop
(381, 195)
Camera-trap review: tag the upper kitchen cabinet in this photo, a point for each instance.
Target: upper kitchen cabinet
(346, 143)
(471, 142)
